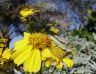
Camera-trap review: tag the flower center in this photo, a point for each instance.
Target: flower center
(58, 52)
(39, 40)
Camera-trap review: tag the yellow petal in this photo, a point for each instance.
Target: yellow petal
(20, 44)
(2, 45)
(69, 63)
(48, 62)
(27, 63)
(2, 61)
(26, 12)
(6, 54)
(53, 44)
(59, 65)
(23, 56)
(46, 53)
(26, 36)
(18, 52)
(35, 62)
(43, 58)
(1, 50)
(55, 30)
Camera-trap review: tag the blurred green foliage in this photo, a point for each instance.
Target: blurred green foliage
(88, 29)
(91, 26)
(83, 33)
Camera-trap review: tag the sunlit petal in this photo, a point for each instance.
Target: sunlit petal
(18, 52)
(35, 63)
(46, 53)
(1, 50)
(27, 63)
(26, 36)
(20, 44)
(48, 62)
(69, 63)
(6, 54)
(23, 56)
(59, 65)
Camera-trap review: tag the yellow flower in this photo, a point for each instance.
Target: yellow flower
(1, 50)
(55, 30)
(31, 50)
(60, 57)
(68, 62)
(4, 55)
(3, 42)
(27, 12)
